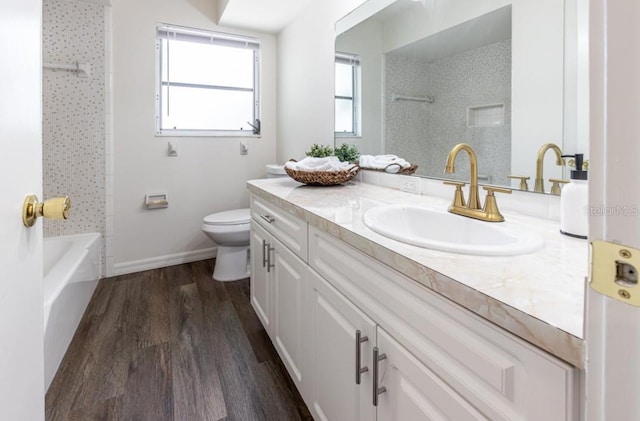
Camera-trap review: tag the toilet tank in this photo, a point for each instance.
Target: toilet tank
(275, 171)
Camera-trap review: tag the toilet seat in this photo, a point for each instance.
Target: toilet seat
(230, 217)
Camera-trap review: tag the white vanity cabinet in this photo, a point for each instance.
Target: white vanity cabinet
(327, 307)
(342, 364)
(341, 338)
(441, 361)
(278, 282)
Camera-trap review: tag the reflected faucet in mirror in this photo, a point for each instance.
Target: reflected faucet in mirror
(539, 186)
(490, 211)
(556, 185)
(523, 181)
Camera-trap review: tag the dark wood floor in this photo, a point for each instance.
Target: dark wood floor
(172, 344)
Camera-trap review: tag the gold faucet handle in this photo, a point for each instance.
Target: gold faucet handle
(556, 186)
(458, 198)
(491, 189)
(492, 213)
(523, 181)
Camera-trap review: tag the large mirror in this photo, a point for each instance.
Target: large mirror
(414, 78)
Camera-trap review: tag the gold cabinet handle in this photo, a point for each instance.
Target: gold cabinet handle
(55, 208)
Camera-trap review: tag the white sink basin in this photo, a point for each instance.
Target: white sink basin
(441, 230)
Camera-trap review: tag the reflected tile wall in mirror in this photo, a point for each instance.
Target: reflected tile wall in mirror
(425, 132)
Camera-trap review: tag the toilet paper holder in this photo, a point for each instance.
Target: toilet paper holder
(156, 200)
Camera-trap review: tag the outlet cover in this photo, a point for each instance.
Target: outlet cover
(409, 186)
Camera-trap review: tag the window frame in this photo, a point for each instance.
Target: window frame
(354, 61)
(231, 38)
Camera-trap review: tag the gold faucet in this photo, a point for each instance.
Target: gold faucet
(474, 198)
(539, 186)
(490, 211)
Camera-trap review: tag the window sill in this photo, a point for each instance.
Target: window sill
(347, 135)
(206, 133)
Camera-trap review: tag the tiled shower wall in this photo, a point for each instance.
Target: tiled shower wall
(424, 133)
(74, 114)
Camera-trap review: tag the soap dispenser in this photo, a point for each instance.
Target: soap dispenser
(574, 199)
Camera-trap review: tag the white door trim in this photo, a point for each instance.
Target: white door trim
(613, 327)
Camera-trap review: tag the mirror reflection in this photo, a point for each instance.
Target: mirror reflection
(416, 78)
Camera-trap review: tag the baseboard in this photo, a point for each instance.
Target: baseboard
(163, 261)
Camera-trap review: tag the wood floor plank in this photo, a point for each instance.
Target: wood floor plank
(98, 304)
(148, 392)
(273, 383)
(280, 389)
(102, 411)
(211, 292)
(155, 294)
(102, 373)
(239, 293)
(94, 366)
(172, 344)
(67, 383)
(240, 394)
(197, 389)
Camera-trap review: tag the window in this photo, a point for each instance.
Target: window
(207, 83)
(347, 106)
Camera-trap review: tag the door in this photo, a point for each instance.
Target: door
(413, 392)
(260, 281)
(334, 351)
(289, 276)
(21, 316)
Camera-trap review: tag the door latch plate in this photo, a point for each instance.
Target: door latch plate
(614, 271)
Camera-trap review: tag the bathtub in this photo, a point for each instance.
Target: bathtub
(71, 274)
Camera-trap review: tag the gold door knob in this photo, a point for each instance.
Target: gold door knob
(55, 208)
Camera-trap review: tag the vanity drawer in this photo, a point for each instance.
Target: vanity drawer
(288, 228)
(502, 376)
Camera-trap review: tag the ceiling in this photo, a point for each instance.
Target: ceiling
(269, 16)
(484, 30)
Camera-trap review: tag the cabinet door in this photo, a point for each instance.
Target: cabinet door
(289, 309)
(334, 394)
(260, 281)
(413, 392)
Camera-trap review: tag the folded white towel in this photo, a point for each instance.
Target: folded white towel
(330, 163)
(384, 162)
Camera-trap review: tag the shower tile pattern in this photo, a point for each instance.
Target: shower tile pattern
(74, 115)
(426, 132)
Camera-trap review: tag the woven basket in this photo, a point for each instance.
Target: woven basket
(322, 178)
(404, 171)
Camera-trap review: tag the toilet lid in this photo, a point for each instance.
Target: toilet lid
(230, 217)
(275, 169)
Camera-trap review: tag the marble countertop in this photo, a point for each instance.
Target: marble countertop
(539, 296)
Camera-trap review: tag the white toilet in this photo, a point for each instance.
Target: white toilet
(230, 231)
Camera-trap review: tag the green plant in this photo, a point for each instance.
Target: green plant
(319, 151)
(348, 153)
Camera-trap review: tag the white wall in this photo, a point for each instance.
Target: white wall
(208, 175)
(306, 78)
